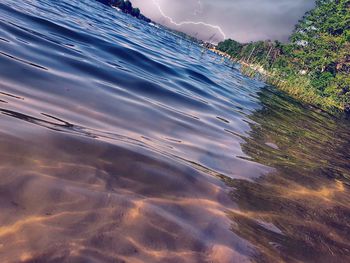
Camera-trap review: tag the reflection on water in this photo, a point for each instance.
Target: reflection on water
(299, 212)
(121, 142)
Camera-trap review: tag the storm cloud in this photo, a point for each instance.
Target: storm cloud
(242, 20)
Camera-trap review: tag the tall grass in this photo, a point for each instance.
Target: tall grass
(297, 86)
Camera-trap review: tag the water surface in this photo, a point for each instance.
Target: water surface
(122, 142)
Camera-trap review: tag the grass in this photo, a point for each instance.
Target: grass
(297, 86)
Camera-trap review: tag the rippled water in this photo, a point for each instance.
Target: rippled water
(122, 142)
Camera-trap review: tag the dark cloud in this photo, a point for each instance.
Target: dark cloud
(243, 20)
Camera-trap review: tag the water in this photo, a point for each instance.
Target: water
(122, 142)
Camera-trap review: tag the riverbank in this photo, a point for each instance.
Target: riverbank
(314, 66)
(298, 87)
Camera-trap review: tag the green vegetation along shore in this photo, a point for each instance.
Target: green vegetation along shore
(314, 66)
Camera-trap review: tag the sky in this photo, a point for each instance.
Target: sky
(242, 20)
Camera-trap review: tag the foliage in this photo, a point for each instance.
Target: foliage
(319, 50)
(126, 7)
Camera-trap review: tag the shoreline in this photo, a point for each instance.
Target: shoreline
(295, 86)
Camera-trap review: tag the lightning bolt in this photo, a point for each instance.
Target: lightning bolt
(172, 21)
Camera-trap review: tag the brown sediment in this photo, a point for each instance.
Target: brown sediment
(106, 203)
